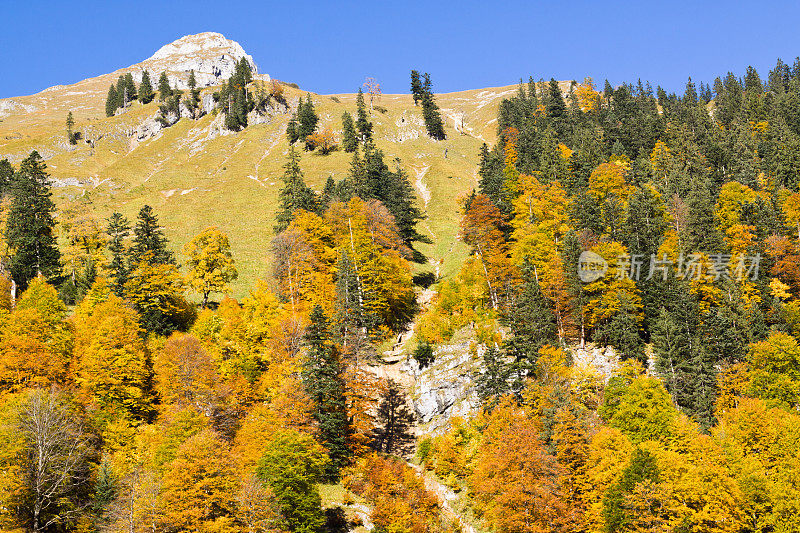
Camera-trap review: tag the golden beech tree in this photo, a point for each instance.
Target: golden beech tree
(35, 341)
(186, 375)
(608, 179)
(211, 265)
(324, 140)
(515, 482)
(588, 97)
(111, 358)
(481, 229)
(200, 486)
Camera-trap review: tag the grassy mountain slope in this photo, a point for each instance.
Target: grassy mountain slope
(194, 177)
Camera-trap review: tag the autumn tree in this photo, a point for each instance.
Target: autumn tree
(210, 262)
(111, 359)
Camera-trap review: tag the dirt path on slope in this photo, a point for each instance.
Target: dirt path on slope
(444, 495)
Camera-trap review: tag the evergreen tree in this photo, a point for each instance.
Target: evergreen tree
(111, 101)
(30, 224)
(149, 242)
(106, 488)
(324, 383)
(70, 125)
(292, 129)
(130, 88)
(492, 382)
(295, 194)
(423, 354)
(430, 111)
(118, 230)
(192, 101)
(532, 324)
(146, 94)
(394, 420)
(363, 125)
(307, 119)
(349, 137)
(6, 173)
(416, 87)
(164, 90)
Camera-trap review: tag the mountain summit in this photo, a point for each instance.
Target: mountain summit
(211, 55)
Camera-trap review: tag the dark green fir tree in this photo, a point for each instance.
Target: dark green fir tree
(349, 136)
(295, 194)
(149, 242)
(30, 224)
(119, 229)
(146, 94)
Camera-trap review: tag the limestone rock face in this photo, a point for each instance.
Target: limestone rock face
(212, 57)
(446, 388)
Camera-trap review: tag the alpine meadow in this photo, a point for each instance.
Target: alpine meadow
(231, 304)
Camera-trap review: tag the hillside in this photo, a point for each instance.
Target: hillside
(196, 174)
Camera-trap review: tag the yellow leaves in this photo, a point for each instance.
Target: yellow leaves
(758, 128)
(564, 151)
(588, 97)
(156, 287)
(791, 212)
(608, 179)
(211, 265)
(111, 359)
(779, 290)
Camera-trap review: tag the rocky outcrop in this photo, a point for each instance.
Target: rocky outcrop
(447, 387)
(8, 107)
(212, 57)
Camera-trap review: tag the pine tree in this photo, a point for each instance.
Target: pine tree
(130, 85)
(324, 383)
(394, 420)
(430, 111)
(70, 125)
(492, 381)
(6, 173)
(111, 101)
(149, 242)
(30, 224)
(118, 230)
(416, 87)
(146, 93)
(349, 137)
(164, 89)
(106, 488)
(292, 132)
(532, 324)
(363, 125)
(192, 101)
(295, 194)
(307, 119)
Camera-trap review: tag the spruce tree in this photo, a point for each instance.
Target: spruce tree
(430, 111)
(70, 125)
(6, 173)
(292, 129)
(30, 224)
(416, 87)
(307, 119)
(164, 89)
(349, 137)
(492, 381)
(146, 93)
(118, 230)
(149, 242)
(532, 324)
(295, 194)
(130, 85)
(324, 383)
(616, 513)
(111, 101)
(192, 101)
(363, 125)
(123, 97)
(350, 319)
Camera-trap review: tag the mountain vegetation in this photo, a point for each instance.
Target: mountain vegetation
(659, 230)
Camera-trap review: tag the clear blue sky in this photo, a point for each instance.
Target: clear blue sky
(331, 46)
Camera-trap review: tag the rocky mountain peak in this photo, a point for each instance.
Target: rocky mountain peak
(211, 55)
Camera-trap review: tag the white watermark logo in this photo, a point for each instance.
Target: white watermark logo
(591, 267)
(711, 266)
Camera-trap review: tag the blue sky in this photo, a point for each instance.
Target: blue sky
(330, 47)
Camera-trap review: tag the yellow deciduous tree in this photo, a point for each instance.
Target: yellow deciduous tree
(211, 265)
(111, 358)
